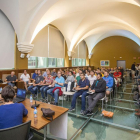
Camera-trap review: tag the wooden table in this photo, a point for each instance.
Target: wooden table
(3, 85)
(56, 129)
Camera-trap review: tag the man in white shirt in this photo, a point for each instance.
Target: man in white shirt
(25, 77)
(92, 77)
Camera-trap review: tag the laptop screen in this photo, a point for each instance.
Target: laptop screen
(21, 93)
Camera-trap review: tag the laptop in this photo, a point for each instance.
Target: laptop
(21, 95)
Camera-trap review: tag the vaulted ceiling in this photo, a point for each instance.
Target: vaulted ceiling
(89, 20)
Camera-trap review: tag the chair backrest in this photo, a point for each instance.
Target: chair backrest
(32, 74)
(20, 132)
(43, 72)
(4, 76)
(19, 74)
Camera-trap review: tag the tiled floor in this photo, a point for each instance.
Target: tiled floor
(123, 125)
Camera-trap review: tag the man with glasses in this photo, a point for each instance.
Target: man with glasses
(81, 89)
(57, 84)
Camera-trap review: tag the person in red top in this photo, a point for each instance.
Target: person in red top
(117, 75)
(45, 85)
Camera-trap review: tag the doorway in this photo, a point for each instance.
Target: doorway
(121, 63)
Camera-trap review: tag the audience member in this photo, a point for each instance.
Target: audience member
(36, 84)
(45, 73)
(98, 88)
(92, 78)
(117, 75)
(99, 71)
(81, 89)
(109, 84)
(45, 85)
(87, 74)
(25, 77)
(34, 75)
(63, 75)
(54, 74)
(11, 113)
(56, 87)
(11, 79)
(78, 77)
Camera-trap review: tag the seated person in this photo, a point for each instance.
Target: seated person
(70, 78)
(83, 70)
(99, 88)
(112, 71)
(81, 89)
(109, 83)
(11, 113)
(87, 74)
(56, 87)
(36, 84)
(25, 77)
(45, 73)
(11, 79)
(78, 77)
(92, 78)
(34, 75)
(45, 85)
(117, 75)
(63, 75)
(99, 71)
(54, 74)
(89, 69)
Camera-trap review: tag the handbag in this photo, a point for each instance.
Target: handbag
(47, 112)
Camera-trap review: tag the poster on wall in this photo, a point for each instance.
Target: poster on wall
(134, 58)
(104, 63)
(138, 57)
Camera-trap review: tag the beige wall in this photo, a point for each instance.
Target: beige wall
(117, 47)
(20, 63)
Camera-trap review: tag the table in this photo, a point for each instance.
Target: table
(56, 129)
(3, 85)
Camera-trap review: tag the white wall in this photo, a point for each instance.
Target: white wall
(7, 43)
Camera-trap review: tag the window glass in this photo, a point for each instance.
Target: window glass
(42, 62)
(51, 62)
(32, 62)
(60, 62)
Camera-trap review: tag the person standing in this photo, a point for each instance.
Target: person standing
(133, 70)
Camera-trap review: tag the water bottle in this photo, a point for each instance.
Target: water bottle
(31, 98)
(35, 113)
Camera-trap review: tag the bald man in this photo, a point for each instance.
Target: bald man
(11, 79)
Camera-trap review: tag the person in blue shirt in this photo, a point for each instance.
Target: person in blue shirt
(11, 113)
(81, 89)
(58, 82)
(34, 75)
(109, 83)
(45, 73)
